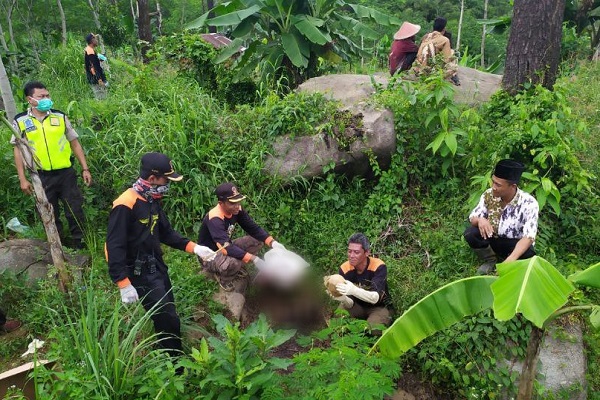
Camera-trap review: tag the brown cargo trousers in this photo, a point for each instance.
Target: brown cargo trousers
(374, 315)
(227, 269)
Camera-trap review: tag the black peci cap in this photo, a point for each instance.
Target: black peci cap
(510, 170)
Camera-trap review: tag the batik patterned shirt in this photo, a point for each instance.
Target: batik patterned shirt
(518, 219)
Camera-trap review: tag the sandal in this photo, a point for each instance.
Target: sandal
(226, 286)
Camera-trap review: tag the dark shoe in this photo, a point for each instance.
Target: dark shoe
(455, 80)
(10, 326)
(489, 259)
(486, 268)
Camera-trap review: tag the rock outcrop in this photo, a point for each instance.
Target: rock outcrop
(308, 155)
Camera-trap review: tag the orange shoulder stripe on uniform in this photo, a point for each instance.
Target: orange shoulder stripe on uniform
(216, 212)
(346, 267)
(374, 263)
(128, 198)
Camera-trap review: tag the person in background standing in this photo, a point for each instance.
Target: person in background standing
(93, 69)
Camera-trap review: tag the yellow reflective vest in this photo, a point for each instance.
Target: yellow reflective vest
(47, 139)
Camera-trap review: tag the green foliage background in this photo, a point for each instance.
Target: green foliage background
(414, 213)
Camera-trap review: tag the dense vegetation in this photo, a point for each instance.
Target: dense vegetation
(414, 212)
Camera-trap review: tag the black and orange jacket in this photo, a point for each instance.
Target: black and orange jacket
(217, 229)
(133, 217)
(373, 279)
(93, 69)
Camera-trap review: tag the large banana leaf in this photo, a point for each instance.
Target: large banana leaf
(295, 48)
(588, 277)
(435, 312)
(532, 287)
(310, 30)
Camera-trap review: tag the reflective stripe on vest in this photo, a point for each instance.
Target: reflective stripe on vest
(47, 140)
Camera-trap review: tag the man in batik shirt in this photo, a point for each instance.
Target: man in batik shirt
(504, 223)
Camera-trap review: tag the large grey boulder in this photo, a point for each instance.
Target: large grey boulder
(563, 362)
(307, 155)
(475, 87)
(31, 258)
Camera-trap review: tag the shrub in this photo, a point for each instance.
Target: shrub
(342, 369)
(238, 365)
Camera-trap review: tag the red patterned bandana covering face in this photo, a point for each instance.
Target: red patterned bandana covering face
(150, 193)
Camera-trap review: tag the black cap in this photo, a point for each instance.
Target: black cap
(158, 164)
(228, 192)
(89, 37)
(510, 170)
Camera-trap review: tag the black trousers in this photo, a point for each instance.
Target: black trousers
(61, 185)
(2, 318)
(501, 246)
(155, 290)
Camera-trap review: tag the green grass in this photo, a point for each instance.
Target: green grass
(151, 108)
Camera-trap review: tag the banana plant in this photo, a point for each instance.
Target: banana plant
(532, 287)
(286, 38)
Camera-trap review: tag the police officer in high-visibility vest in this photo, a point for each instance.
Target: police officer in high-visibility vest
(53, 141)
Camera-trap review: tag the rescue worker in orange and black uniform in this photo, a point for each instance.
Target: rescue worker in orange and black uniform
(216, 231)
(365, 294)
(137, 226)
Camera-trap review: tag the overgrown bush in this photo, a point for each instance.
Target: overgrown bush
(195, 57)
(473, 357)
(337, 365)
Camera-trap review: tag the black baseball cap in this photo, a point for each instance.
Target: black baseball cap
(229, 192)
(158, 164)
(89, 37)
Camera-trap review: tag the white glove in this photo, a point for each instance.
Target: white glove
(276, 245)
(205, 253)
(349, 289)
(129, 294)
(345, 301)
(259, 263)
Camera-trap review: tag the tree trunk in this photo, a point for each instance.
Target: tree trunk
(63, 23)
(483, 33)
(158, 18)
(460, 19)
(45, 210)
(7, 95)
(95, 15)
(533, 51)
(12, 57)
(210, 4)
(529, 370)
(144, 29)
(26, 18)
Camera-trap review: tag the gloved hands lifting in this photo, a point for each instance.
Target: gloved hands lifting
(345, 301)
(129, 294)
(349, 289)
(276, 245)
(205, 253)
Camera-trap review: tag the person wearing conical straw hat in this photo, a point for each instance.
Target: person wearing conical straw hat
(404, 48)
